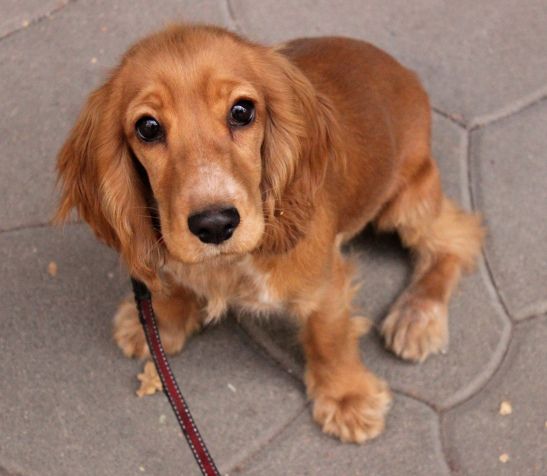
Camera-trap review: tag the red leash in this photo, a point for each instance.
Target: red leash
(143, 298)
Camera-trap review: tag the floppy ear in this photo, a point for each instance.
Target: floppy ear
(99, 180)
(300, 140)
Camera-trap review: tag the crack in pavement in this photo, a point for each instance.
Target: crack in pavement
(38, 19)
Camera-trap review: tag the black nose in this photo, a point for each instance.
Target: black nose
(214, 226)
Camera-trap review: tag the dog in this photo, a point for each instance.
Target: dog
(229, 174)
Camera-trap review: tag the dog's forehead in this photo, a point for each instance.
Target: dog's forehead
(212, 68)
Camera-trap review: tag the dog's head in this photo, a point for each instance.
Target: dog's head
(199, 145)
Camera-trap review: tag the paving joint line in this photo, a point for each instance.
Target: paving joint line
(507, 112)
(440, 441)
(431, 406)
(472, 203)
(438, 412)
(496, 367)
(534, 317)
(488, 275)
(536, 309)
(260, 348)
(298, 378)
(444, 412)
(25, 227)
(490, 279)
(277, 362)
(489, 272)
(443, 437)
(450, 117)
(274, 436)
(489, 119)
(37, 20)
(33, 226)
(241, 463)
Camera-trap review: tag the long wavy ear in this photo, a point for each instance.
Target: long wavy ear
(300, 140)
(99, 180)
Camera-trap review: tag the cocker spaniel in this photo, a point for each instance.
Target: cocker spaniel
(228, 175)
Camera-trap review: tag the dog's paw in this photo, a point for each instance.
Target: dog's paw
(130, 338)
(128, 332)
(354, 414)
(415, 328)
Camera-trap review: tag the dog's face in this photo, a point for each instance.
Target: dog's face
(197, 130)
(200, 145)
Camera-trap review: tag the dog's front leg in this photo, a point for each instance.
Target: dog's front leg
(349, 401)
(178, 315)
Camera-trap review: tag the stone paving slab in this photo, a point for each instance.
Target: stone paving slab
(469, 54)
(47, 72)
(509, 168)
(17, 14)
(449, 144)
(68, 403)
(410, 446)
(477, 435)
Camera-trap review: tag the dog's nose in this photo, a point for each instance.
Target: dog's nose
(215, 225)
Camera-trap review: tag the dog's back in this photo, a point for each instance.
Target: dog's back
(384, 119)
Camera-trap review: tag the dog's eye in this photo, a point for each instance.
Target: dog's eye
(148, 129)
(242, 113)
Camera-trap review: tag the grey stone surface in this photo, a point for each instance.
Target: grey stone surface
(68, 403)
(449, 148)
(478, 337)
(17, 14)
(476, 434)
(48, 70)
(509, 165)
(410, 446)
(475, 58)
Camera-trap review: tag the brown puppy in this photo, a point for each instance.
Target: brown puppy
(228, 174)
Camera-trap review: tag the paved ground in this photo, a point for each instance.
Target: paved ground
(67, 396)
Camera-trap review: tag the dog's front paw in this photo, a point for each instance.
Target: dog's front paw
(415, 328)
(355, 410)
(128, 332)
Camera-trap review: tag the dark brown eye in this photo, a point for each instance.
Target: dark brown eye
(242, 113)
(149, 129)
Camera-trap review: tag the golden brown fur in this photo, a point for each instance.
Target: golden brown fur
(341, 138)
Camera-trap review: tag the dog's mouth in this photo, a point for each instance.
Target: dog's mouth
(209, 256)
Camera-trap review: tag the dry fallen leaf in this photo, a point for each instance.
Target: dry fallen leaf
(52, 268)
(504, 458)
(150, 380)
(506, 408)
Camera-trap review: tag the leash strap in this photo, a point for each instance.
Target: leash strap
(143, 298)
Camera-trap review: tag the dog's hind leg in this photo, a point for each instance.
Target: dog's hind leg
(444, 241)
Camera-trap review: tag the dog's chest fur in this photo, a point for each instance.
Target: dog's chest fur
(238, 285)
